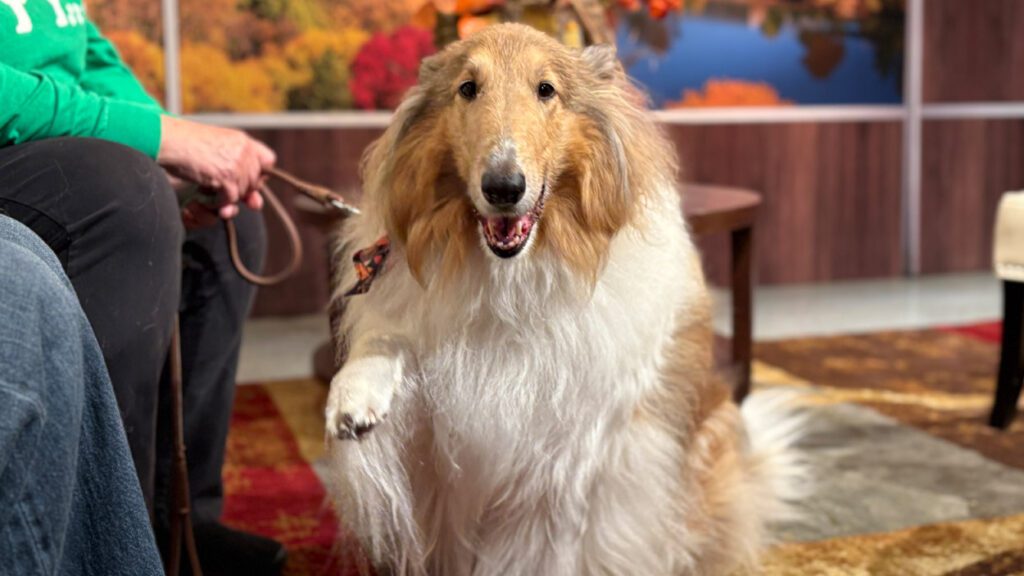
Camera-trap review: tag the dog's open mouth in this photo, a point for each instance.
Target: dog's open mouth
(506, 236)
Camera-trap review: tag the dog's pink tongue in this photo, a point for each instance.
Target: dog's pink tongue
(500, 227)
(505, 229)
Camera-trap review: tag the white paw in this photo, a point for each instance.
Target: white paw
(360, 397)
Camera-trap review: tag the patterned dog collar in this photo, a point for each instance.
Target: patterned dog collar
(369, 263)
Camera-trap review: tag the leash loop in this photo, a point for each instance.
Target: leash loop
(321, 195)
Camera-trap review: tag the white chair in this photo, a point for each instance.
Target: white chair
(1009, 267)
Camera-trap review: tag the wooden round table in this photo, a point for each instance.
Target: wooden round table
(708, 210)
(721, 209)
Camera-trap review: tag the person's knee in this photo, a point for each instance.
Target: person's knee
(38, 304)
(139, 205)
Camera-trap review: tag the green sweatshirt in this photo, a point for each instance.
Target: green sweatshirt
(60, 77)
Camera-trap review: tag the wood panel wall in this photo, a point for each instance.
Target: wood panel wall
(966, 167)
(973, 50)
(831, 195)
(328, 157)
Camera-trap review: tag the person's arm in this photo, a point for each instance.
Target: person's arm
(107, 75)
(35, 106)
(227, 161)
(110, 103)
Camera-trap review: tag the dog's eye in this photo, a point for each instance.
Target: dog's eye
(545, 91)
(468, 89)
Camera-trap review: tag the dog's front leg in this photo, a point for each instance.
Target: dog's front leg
(362, 390)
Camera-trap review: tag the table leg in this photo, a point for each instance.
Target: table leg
(323, 362)
(742, 324)
(330, 355)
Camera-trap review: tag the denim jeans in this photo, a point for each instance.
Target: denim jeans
(70, 501)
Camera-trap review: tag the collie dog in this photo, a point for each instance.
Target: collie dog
(529, 388)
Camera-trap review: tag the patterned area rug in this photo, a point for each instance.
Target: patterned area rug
(912, 481)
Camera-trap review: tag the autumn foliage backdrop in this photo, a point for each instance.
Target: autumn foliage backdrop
(273, 55)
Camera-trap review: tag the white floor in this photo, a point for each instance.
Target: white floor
(281, 348)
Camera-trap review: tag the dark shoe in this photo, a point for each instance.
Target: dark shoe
(224, 551)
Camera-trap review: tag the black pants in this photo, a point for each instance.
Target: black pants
(109, 214)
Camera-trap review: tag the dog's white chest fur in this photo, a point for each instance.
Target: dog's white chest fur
(530, 354)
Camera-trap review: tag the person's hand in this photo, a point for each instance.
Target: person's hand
(226, 162)
(193, 214)
(198, 215)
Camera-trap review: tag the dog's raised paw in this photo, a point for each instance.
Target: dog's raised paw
(359, 401)
(349, 427)
(353, 417)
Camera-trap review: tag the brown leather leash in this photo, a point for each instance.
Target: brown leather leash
(181, 513)
(321, 195)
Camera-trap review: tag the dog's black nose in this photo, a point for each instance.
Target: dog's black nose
(503, 188)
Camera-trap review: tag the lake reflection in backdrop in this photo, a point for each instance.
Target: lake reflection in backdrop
(758, 53)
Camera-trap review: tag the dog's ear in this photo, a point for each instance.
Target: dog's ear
(431, 66)
(608, 167)
(407, 170)
(398, 166)
(609, 111)
(603, 61)
(413, 109)
(618, 155)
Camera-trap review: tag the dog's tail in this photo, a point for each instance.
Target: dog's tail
(776, 420)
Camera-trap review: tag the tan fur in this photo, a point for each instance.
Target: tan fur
(692, 390)
(598, 193)
(695, 407)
